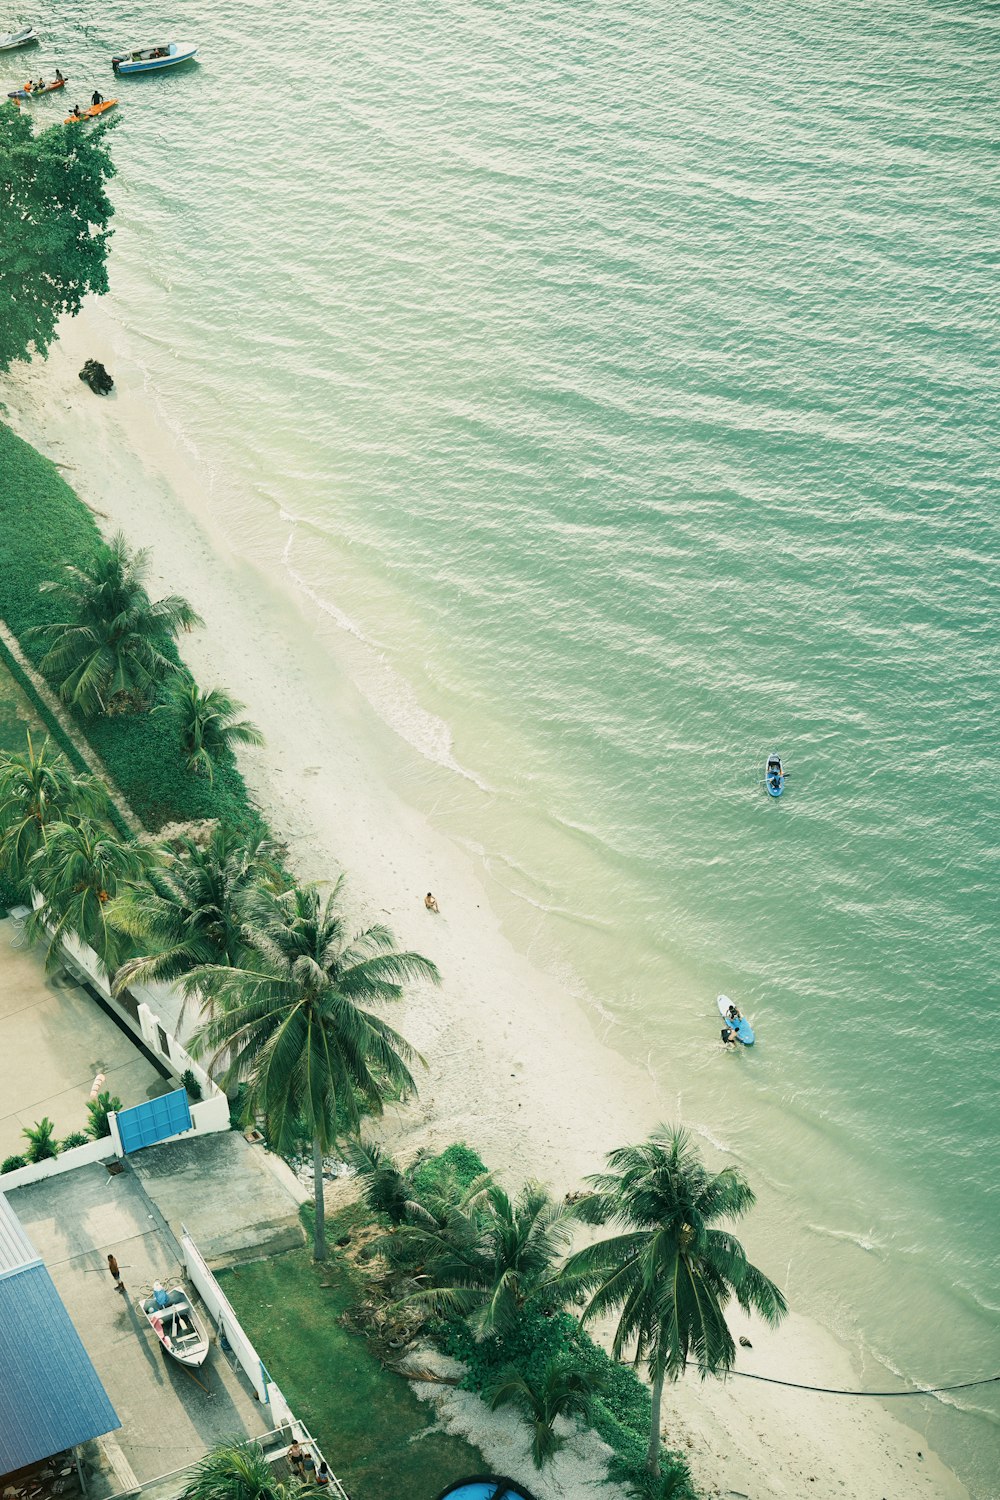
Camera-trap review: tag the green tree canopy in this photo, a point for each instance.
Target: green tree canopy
(54, 216)
(671, 1273)
(111, 650)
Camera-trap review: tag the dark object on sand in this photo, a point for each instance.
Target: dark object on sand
(96, 376)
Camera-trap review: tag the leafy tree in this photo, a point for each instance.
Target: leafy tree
(188, 910)
(239, 1471)
(38, 789)
(208, 724)
(54, 217)
(76, 872)
(98, 1109)
(291, 1022)
(486, 1256)
(42, 1144)
(75, 1138)
(671, 1274)
(11, 1163)
(110, 651)
(561, 1391)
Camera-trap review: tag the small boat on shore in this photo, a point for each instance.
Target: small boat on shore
(93, 112)
(739, 1025)
(149, 59)
(23, 38)
(774, 776)
(172, 1318)
(33, 93)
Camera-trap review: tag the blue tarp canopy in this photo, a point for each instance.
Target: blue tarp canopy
(50, 1396)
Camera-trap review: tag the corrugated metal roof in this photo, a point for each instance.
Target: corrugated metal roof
(16, 1250)
(50, 1395)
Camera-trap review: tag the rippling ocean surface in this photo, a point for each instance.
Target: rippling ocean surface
(621, 381)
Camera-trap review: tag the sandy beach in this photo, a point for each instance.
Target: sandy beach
(515, 1065)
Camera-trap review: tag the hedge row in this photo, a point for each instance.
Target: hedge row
(45, 524)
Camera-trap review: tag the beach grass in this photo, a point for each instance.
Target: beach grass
(377, 1436)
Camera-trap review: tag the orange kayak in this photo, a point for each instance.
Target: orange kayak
(92, 112)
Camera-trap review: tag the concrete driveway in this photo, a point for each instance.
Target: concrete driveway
(170, 1417)
(54, 1039)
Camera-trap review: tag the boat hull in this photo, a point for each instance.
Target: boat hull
(13, 40)
(180, 1333)
(774, 776)
(177, 53)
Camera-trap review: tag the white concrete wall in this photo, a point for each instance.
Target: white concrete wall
(223, 1316)
(76, 1156)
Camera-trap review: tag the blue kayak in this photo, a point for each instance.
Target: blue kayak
(743, 1029)
(774, 776)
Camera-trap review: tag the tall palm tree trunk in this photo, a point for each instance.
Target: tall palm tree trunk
(319, 1228)
(653, 1451)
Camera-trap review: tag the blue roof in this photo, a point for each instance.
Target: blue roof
(50, 1396)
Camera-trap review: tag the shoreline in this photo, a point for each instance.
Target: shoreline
(514, 1063)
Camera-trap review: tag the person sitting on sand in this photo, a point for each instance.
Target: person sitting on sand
(430, 901)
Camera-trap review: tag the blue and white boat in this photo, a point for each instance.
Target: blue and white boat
(149, 59)
(774, 776)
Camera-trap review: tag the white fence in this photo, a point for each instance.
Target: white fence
(208, 1115)
(76, 1156)
(228, 1325)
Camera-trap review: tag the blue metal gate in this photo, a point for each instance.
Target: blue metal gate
(145, 1124)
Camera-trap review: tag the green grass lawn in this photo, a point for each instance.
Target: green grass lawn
(17, 714)
(376, 1435)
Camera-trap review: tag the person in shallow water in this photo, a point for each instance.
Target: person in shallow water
(729, 1037)
(96, 98)
(430, 901)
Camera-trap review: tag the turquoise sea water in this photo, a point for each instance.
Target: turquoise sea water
(626, 377)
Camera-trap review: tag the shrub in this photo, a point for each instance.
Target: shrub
(191, 1084)
(42, 1145)
(11, 1163)
(75, 1138)
(99, 1109)
(459, 1162)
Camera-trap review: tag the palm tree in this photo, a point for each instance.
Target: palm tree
(486, 1256)
(98, 1109)
(239, 1471)
(208, 724)
(672, 1272)
(76, 872)
(38, 789)
(188, 910)
(385, 1188)
(109, 652)
(42, 1144)
(559, 1391)
(292, 1025)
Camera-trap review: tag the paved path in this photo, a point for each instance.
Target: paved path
(169, 1418)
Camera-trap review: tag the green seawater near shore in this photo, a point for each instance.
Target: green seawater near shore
(620, 382)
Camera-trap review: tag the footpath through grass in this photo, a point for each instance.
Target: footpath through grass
(377, 1436)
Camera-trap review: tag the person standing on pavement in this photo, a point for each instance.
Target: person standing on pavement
(116, 1275)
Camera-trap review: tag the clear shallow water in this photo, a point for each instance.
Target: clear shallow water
(626, 377)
